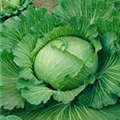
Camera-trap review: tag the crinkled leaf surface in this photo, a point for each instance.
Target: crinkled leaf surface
(18, 27)
(27, 34)
(83, 26)
(106, 89)
(110, 34)
(9, 95)
(8, 10)
(72, 111)
(112, 25)
(23, 57)
(91, 9)
(36, 94)
(10, 38)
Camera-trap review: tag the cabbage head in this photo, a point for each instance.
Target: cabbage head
(60, 63)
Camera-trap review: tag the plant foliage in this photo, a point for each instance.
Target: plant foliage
(9, 8)
(63, 65)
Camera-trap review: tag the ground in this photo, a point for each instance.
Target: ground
(45, 3)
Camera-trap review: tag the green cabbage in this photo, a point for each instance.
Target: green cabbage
(11, 7)
(63, 65)
(61, 61)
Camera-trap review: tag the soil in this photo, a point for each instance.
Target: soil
(50, 4)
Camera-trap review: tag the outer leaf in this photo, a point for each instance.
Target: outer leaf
(11, 117)
(110, 30)
(17, 27)
(105, 26)
(83, 26)
(105, 90)
(46, 24)
(71, 112)
(6, 13)
(42, 93)
(67, 96)
(91, 9)
(23, 56)
(9, 95)
(36, 94)
(109, 42)
(32, 16)
(12, 35)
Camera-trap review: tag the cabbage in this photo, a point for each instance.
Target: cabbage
(11, 7)
(67, 57)
(63, 65)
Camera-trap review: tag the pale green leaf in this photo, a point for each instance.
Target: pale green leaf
(72, 111)
(36, 94)
(9, 95)
(23, 57)
(69, 95)
(11, 33)
(10, 117)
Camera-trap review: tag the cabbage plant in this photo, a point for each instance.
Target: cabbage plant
(63, 65)
(12, 7)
